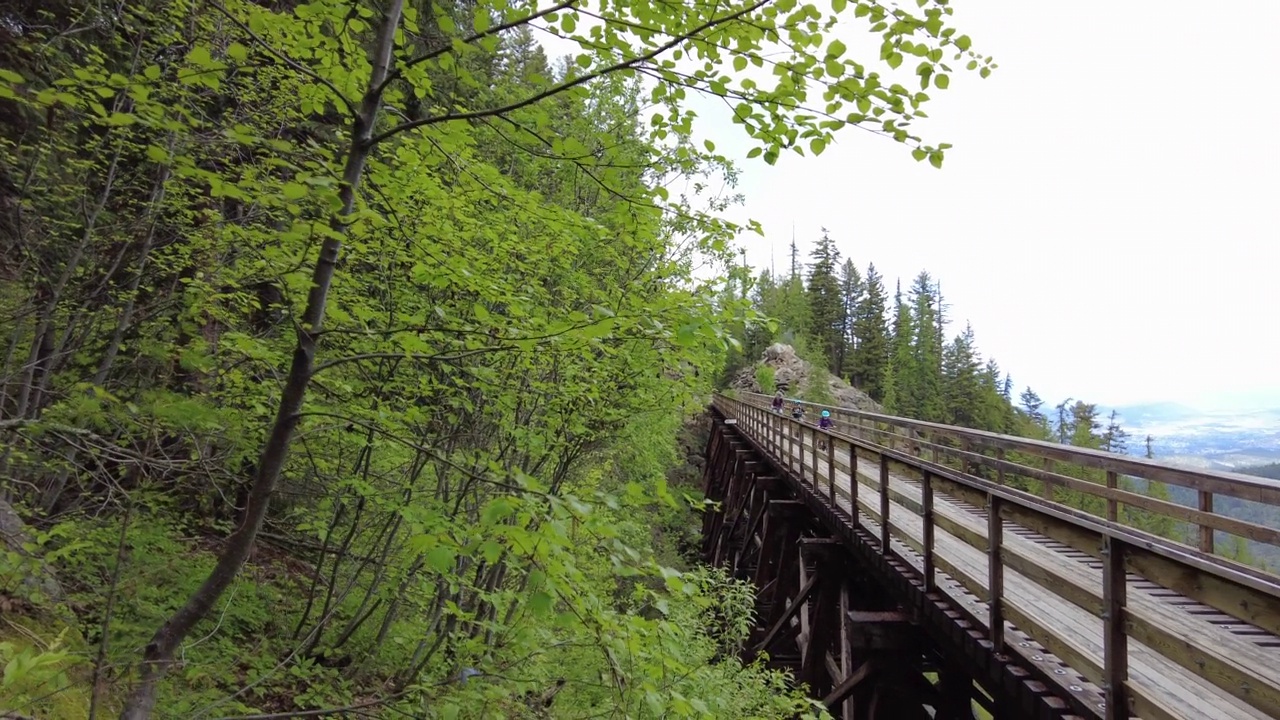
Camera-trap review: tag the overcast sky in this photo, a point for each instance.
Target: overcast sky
(1107, 219)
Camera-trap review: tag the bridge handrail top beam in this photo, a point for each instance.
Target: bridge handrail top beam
(1176, 552)
(1221, 481)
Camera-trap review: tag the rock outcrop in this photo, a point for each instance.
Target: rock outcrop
(794, 376)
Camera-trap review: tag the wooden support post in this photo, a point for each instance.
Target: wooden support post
(884, 505)
(1113, 511)
(846, 650)
(926, 502)
(1206, 533)
(955, 693)
(1000, 468)
(1115, 643)
(995, 573)
(1046, 491)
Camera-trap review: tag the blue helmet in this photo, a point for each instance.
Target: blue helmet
(826, 413)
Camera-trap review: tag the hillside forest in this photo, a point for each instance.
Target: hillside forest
(348, 344)
(903, 351)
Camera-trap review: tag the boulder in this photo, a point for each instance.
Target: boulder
(793, 375)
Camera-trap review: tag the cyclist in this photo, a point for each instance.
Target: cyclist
(824, 423)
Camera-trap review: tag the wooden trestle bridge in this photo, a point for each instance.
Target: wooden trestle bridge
(946, 575)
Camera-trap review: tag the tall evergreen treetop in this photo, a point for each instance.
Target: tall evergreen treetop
(851, 293)
(869, 360)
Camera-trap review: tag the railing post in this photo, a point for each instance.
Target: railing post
(1000, 467)
(853, 483)
(884, 504)
(926, 502)
(1206, 533)
(1115, 643)
(1112, 509)
(802, 428)
(831, 469)
(995, 573)
(1046, 491)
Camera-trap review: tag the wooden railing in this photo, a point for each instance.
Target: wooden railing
(1046, 467)
(953, 467)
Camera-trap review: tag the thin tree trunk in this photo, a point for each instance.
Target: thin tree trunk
(159, 653)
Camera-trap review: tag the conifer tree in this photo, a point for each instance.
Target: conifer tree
(1084, 425)
(1114, 438)
(897, 396)
(851, 292)
(962, 391)
(1064, 428)
(869, 360)
(923, 378)
(826, 302)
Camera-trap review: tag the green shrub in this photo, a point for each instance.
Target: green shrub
(765, 379)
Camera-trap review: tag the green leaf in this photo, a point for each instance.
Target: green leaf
(963, 42)
(237, 52)
(498, 509)
(200, 57)
(440, 559)
(919, 154)
(817, 145)
(836, 49)
(942, 81)
(894, 59)
(294, 191)
(935, 159)
(740, 63)
(540, 603)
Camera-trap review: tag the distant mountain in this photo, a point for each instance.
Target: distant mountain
(1267, 471)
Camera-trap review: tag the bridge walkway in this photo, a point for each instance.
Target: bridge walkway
(1182, 658)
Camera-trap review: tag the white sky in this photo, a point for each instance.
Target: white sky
(1107, 219)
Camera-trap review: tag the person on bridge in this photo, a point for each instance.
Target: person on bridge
(777, 402)
(797, 414)
(824, 423)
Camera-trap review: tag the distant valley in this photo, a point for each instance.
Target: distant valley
(1218, 440)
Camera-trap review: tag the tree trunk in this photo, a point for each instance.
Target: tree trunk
(159, 653)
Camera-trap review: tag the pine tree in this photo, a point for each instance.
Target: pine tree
(962, 391)
(1064, 427)
(1114, 438)
(1084, 425)
(869, 360)
(851, 292)
(1035, 424)
(923, 381)
(897, 398)
(826, 302)
(1031, 404)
